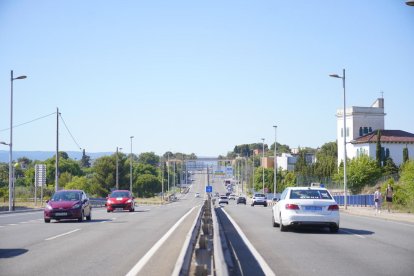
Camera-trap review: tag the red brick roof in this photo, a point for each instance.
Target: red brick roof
(387, 136)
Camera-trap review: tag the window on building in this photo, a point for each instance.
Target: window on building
(365, 130)
(360, 131)
(370, 129)
(342, 132)
(347, 132)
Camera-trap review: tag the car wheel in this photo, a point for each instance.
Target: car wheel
(273, 221)
(282, 227)
(334, 229)
(80, 219)
(89, 218)
(47, 220)
(265, 205)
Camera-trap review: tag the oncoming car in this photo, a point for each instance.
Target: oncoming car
(120, 200)
(68, 204)
(306, 206)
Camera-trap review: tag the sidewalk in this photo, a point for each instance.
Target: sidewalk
(370, 212)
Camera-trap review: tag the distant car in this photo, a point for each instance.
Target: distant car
(232, 196)
(197, 195)
(259, 199)
(306, 206)
(241, 200)
(68, 204)
(120, 200)
(223, 200)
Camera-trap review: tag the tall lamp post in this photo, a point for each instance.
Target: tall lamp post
(117, 169)
(130, 167)
(344, 130)
(11, 186)
(275, 167)
(263, 165)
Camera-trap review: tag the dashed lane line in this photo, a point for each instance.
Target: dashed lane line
(61, 235)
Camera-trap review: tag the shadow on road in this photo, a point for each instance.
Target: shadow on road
(325, 230)
(239, 259)
(12, 252)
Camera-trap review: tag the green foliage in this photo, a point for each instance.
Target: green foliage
(326, 160)
(85, 161)
(268, 177)
(280, 148)
(361, 171)
(149, 158)
(407, 183)
(86, 184)
(378, 149)
(405, 155)
(147, 185)
(389, 168)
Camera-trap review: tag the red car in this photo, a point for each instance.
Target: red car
(68, 204)
(120, 200)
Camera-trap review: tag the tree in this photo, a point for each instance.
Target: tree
(149, 158)
(147, 185)
(280, 148)
(326, 160)
(378, 149)
(361, 171)
(85, 162)
(390, 168)
(406, 196)
(405, 155)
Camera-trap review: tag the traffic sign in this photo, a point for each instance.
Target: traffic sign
(209, 189)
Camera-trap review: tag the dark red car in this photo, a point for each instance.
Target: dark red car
(68, 204)
(120, 200)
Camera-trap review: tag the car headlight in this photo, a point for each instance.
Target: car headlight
(48, 207)
(109, 202)
(129, 200)
(76, 206)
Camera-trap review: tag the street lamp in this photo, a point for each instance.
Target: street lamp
(263, 164)
(11, 187)
(409, 3)
(344, 130)
(117, 169)
(130, 167)
(275, 166)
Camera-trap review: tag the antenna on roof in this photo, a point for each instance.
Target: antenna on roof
(382, 94)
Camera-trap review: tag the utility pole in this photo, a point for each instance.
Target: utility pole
(57, 151)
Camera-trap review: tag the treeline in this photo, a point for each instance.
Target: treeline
(363, 172)
(98, 178)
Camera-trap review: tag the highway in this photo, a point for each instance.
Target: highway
(111, 244)
(118, 243)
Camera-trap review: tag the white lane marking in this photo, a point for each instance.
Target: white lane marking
(266, 268)
(23, 222)
(61, 235)
(11, 224)
(18, 214)
(1, 226)
(359, 236)
(180, 259)
(144, 260)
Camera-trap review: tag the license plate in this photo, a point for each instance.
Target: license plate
(119, 209)
(313, 208)
(62, 214)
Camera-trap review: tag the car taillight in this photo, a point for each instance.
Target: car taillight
(292, 207)
(333, 208)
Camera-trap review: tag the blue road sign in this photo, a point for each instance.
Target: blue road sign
(209, 189)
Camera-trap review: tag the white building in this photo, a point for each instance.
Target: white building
(362, 124)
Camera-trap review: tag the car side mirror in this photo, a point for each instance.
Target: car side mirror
(47, 201)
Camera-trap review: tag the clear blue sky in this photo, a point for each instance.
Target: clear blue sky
(200, 76)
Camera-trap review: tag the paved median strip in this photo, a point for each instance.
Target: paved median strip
(61, 235)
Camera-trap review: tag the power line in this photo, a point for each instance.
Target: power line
(1, 130)
(73, 138)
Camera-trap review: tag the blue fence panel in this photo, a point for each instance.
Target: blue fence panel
(355, 200)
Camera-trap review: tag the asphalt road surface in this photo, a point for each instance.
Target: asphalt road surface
(149, 240)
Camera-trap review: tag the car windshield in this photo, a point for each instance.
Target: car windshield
(259, 195)
(310, 194)
(66, 196)
(120, 194)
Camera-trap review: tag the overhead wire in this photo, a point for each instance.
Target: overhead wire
(73, 138)
(22, 124)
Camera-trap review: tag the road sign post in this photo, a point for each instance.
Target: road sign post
(40, 180)
(209, 189)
